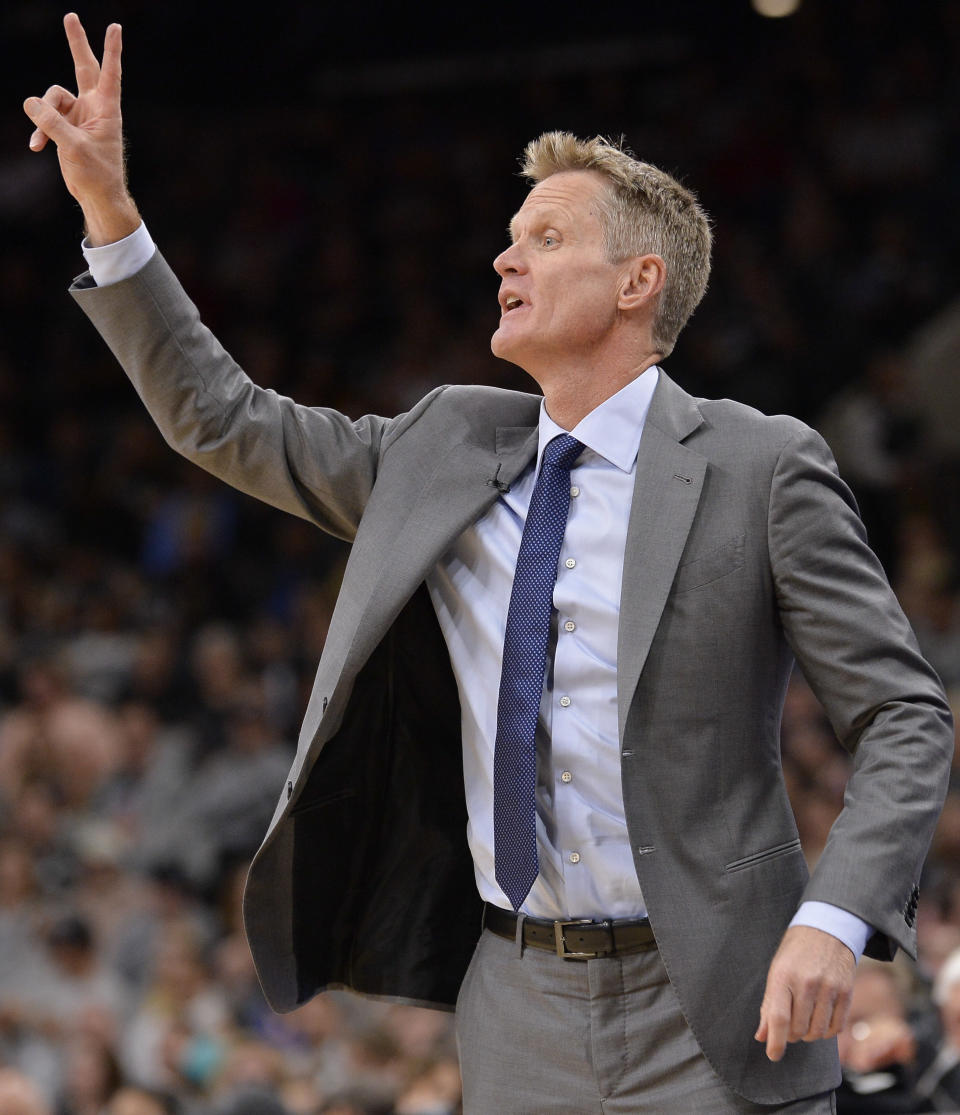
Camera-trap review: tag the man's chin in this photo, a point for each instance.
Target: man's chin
(504, 347)
(515, 350)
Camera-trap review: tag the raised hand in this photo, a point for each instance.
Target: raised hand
(87, 129)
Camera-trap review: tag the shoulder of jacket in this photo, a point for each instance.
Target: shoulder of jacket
(478, 398)
(476, 406)
(739, 419)
(460, 411)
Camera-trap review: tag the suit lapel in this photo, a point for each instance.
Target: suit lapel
(669, 480)
(461, 488)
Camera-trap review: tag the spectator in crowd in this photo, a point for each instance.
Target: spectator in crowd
(91, 1075)
(877, 1047)
(141, 1101)
(20, 1096)
(938, 1068)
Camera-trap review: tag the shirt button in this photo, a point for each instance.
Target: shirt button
(574, 491)
(571, 563)
(574, 857)
(566, 776)
(564, 702)
(569, 625)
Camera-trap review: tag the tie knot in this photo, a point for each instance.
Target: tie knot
(562, 451)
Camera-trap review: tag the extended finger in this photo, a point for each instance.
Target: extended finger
(58, 98)
(110, 70)
(775, 1021)
(84, 60)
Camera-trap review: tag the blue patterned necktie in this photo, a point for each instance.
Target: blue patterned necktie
(524, 666)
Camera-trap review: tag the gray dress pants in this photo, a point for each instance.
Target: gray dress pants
(538, 1035)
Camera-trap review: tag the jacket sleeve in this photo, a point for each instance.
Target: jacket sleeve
(313, 462)
(885, 702)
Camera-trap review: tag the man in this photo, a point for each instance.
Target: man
(643, 564)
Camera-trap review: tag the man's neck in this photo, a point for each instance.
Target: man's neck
(569, 398)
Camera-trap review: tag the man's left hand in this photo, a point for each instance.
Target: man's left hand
(808, 990)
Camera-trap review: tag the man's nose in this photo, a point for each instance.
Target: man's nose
(509, 261)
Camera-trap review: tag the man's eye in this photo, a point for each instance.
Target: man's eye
(549, 241)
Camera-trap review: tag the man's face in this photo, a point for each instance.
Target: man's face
(558, 291)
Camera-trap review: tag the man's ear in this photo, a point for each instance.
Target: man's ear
(642, 281)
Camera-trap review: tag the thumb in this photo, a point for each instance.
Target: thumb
(49, 122)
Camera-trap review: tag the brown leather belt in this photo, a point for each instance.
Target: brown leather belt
(574, 940)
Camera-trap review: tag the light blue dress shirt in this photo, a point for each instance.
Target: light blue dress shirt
(586, 863)
(586, 867)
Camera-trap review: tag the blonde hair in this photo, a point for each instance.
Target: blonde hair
(645, 211)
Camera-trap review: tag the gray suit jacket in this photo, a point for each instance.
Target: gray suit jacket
(744, 550)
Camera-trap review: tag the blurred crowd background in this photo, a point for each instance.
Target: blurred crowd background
(331, 188)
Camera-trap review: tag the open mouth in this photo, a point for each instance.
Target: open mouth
(512, 303)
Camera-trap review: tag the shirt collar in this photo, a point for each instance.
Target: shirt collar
(612, 429)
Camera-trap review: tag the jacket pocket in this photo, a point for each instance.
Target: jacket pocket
(761, 857)
(302, 806)
(711, 566)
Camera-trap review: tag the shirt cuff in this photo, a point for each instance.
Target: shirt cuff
(846, 927)
(121, 259)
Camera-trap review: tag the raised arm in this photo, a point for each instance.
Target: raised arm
(87, 129)
(309, 461)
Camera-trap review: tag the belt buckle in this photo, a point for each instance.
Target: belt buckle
(561, 942)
